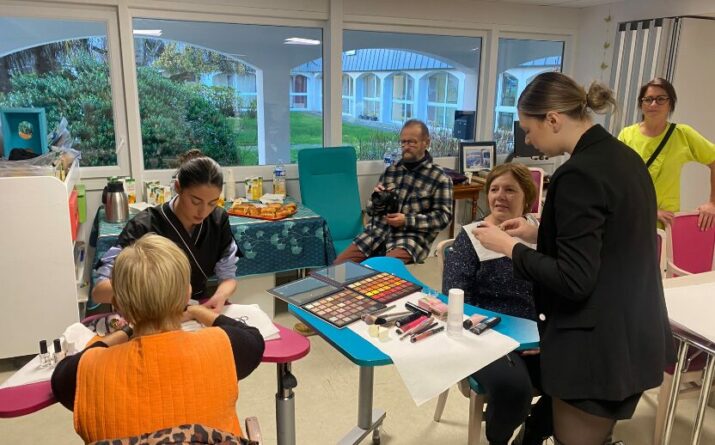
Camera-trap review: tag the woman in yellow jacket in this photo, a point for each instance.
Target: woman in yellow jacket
(657, 101)
(157, 376)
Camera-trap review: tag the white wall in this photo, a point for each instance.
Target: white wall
(594, 31)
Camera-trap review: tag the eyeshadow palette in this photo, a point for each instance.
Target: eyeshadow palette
(342, 307)
(384, 287)
(303, 291)
(342, 274)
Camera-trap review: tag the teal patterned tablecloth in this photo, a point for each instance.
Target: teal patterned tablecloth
(299, 242)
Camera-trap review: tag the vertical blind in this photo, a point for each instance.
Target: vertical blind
(644, 49)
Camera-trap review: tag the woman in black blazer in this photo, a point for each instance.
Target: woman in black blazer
(605, 336)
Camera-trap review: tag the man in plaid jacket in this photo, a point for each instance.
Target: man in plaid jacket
(424, 194)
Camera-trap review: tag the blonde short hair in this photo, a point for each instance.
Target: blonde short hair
(151, 280)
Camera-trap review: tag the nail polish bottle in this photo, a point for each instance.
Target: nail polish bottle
(59, 353)
(45, 358)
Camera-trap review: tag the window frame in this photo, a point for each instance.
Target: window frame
(408, 86)
(350, 97)
(108, 16)
(231, 16)
(445, 105)
(293, 94)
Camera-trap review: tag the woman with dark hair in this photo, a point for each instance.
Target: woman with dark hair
(605, 336)
(192, 220)
(657, 100)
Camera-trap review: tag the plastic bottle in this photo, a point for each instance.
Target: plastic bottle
(229, 185)
(396, 155)
(279, 179)
(387, 158)
(455, 312)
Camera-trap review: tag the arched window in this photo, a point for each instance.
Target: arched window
(371, 97)
(442, 97)
(403, 98)
(348, 95)
(509, 88)
(298, 92)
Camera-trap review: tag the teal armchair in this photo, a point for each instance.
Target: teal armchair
(329, 187)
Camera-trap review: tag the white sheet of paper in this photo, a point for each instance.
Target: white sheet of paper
(690, 308)
(251, 314)
(432, 365)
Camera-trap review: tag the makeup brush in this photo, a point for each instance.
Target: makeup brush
(383, 319)
(377, 312)
(372, 317)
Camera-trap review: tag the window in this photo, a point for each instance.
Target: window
(402, 97)
(519, 61)
(348, 95)
(198, 88)
(509, 86)
(506, 121)
(63, 67)
(298, 92)
(442, 96)
(370, 97)
(401, 76)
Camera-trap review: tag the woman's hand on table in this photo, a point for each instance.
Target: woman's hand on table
(215, 303)
(200, 313)
(494, 238)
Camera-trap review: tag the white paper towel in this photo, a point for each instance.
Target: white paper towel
(432, 365)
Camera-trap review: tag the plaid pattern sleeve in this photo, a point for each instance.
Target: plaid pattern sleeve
(425, 197)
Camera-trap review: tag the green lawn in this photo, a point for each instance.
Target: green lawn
(306, 130)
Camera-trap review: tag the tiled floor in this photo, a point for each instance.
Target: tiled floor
(326, 403)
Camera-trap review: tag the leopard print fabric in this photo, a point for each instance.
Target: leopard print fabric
(190, 434)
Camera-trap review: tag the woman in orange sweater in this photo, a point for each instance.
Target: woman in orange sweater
(157, 376)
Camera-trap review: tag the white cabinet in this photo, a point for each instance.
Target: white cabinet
(38, 289)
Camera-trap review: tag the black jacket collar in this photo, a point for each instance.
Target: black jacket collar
(592, 136)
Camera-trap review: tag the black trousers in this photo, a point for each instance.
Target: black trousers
(509, 384)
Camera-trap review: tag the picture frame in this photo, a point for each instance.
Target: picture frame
(477, 156)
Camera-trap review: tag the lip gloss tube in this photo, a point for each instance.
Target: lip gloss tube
(409, 326)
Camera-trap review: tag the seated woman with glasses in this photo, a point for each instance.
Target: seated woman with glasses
(657, 101)
(487, 279)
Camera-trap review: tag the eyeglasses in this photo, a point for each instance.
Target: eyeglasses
(660, 100)
(409, 142)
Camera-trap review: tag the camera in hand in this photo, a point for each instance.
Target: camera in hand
(383, 202)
